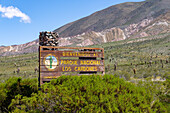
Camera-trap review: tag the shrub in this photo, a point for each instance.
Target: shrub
(88, 94)
(14, 86)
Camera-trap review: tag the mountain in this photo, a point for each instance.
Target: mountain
(120, 15)
(155, 26)
(119, 22)
(29, 47)
(146, 28)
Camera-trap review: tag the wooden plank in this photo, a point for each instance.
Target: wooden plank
(47, 79)
(84, 68)
(69, 62)
(47, 69)
(47, 76)
(71, 54)
(55, 51)
(50, 74)
(79, 48)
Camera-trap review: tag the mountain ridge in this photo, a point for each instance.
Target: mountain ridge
(149, 26)
(119, 15)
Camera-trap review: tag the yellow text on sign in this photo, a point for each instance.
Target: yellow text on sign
(66, 69)
(83, 68)
(69, 62)
(82, 62)
(50, 77)
(80, 54)
(90, 62)
(79, 68)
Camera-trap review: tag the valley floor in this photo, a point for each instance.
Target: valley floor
(131, 59)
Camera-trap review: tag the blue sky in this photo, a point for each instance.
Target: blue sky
(22, 20)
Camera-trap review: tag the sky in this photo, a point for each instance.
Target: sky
(22, 20)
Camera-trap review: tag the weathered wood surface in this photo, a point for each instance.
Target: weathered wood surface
(71, 54)
(69, 62)
(73, 69)
(77, 48)
(69, 59)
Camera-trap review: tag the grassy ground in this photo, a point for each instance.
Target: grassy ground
(26, 63)
(131, 59)
(138, 58)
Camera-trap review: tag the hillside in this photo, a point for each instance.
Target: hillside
(128, 54)
(120, 15)
(29, 47)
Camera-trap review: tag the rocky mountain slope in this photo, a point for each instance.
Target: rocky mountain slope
(144, 28)
(153, 22)
(120, 15)
(29, 47)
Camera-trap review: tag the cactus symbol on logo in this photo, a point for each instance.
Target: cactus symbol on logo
(51, 62)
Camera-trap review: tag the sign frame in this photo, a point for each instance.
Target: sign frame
(55, 60)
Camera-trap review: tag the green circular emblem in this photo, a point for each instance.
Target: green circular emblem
(50, 62)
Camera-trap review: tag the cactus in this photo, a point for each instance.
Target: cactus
(115, 67)
(161, 60)
(134, 70)
(167, 61)
(18, 70)
(36, 70)
(150, 62)
(156, 56)
(108, 67)
(15, 64)
(25, 72)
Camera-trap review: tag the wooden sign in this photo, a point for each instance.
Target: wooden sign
(57, 61)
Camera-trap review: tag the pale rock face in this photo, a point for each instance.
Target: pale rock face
(64, 42)
(143, 34)
(4, 49)
(86, 43)
(19, 49)
(161, 23)
(115, 34)
(134, 28)
(10, 48)
(149, 27)
(108, 35)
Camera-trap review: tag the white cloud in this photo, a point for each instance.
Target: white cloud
(11, 12)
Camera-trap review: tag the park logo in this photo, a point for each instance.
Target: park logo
(51, 62)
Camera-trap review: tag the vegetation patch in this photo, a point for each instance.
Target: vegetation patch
(82, 94)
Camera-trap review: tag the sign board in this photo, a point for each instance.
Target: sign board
(57, 61)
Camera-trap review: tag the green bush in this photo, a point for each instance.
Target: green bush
(14, 86)
(88, 94)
